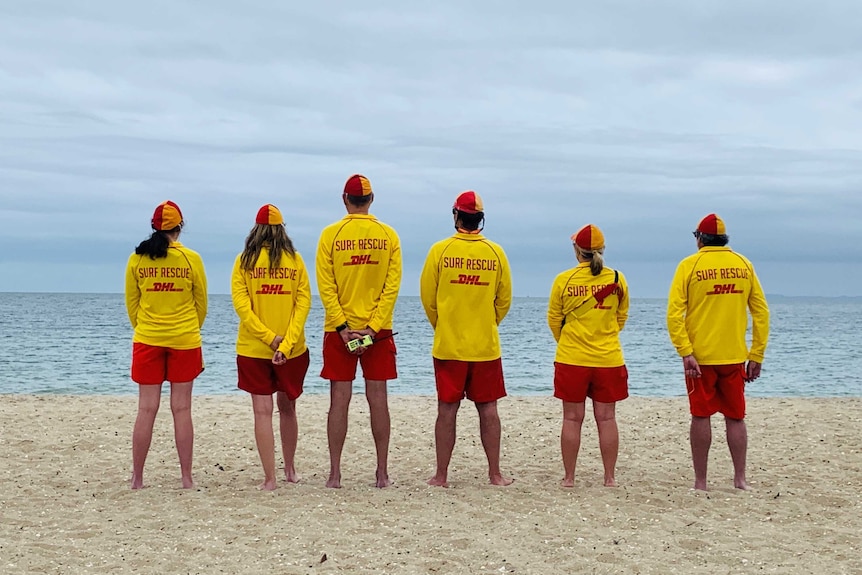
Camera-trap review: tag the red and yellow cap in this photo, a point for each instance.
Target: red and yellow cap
(269, 215)
(357, 185)
(167, 216)
(469, 202)
(712, 225)
(589, 238)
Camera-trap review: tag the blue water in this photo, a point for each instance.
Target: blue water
(81, 344)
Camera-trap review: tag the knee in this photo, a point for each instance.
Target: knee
(576, 418)
(286, 406)
(181, 409)
(148, 410)
(605, 417)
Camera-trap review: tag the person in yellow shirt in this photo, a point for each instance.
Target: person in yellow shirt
(712, 293)
(358, 268)
(272, 297)
(587, 309)
(166, 300)
(466, 291)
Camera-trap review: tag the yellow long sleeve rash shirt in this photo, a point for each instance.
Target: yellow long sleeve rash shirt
(591, 338)
(707, 310)
(466, 291)
(358, 268)
(270, 303)
(166, 298)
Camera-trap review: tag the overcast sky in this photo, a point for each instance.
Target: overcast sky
(639, 117)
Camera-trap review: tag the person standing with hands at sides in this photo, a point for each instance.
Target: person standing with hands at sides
(712, 293)
(466, 290)
(166, 299)
(358, 268)
(587, 309)
(272, 297)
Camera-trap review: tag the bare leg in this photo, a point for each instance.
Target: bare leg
(700, 436)
(737, 441)
(378, 406)
(609, 438)
(184, 432)
(444, 439)
(263, 437)
(490, 432)
(149, 397)
(340, 393)
(289, 429)
(570, 439)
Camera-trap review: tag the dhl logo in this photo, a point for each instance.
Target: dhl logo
(721, 289)
(464, 279)
(164, 286)
(364, 259)
(272, 289)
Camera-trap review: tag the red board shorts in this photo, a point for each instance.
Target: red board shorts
(260, 376)
(153, 365)
(720, 388)
(574, 383)
(378, 361)
(478, 381)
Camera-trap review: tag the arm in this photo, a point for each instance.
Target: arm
(503, 301)
(133, 293)
(677, 306)
(301, 307)
(623, 308)
(428, 281)
(199, 288)
(759, 321)
(391, 286)
(325, 271)
(241, 298)
(555, 310)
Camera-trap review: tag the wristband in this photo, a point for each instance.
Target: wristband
(341, 327)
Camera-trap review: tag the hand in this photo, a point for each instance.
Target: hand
(752, 370)
(366, 331)
(349, 334)
(279, 358)
(276, 341)
(690, 366)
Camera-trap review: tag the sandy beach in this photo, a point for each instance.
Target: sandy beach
(66, 506)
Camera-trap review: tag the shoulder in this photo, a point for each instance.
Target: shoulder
(190, 253)
(498, 249)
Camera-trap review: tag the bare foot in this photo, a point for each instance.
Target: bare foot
(567, 482)
(137, 482)
(501, 480)
(700, 486)
(610, 482)
(188, 483)
(383, 479)
(267, 485)
(741, 485)
(334, 481)
(291, 476)
(438, 481)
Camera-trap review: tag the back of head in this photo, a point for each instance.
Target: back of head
(357, 190)
(711, 231)
(469, 211)
(589, 243)
(167, 219)
(268, 232)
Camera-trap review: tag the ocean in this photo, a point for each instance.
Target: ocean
(68, 343)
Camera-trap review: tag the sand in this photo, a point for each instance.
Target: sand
(66, 506)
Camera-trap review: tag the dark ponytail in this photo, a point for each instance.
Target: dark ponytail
(156, 246)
